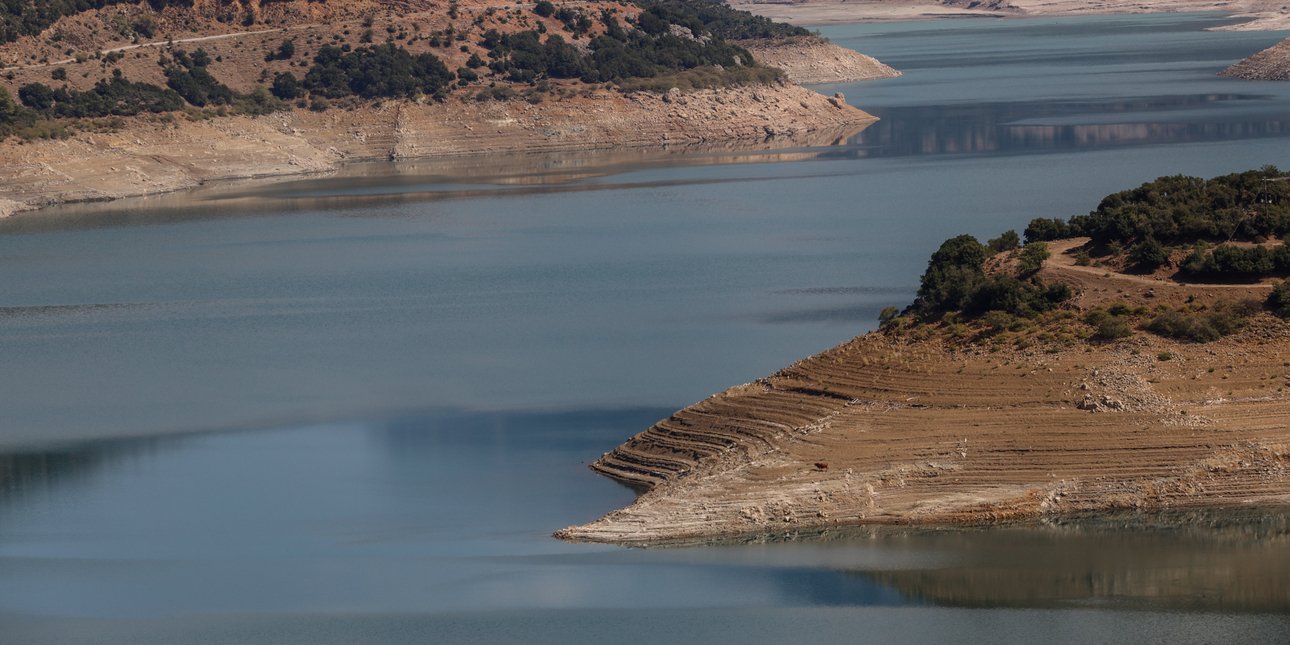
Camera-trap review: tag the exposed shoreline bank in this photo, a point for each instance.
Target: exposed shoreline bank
(892, 430)
(150, 156)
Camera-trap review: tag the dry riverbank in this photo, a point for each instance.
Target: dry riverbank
(887, 429)
(152, 155)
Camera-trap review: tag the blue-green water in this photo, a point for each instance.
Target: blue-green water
(359, 405)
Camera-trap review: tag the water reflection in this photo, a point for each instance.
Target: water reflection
(1229, 560)
(364, 184)
(1040, 127)
(60, 470)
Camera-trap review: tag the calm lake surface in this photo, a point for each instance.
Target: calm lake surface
(353, 409)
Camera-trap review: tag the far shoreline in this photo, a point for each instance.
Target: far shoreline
(828, 13)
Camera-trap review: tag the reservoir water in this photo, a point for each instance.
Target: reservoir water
(353, 409)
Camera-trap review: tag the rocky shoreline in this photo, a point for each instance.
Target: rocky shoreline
(156, 155)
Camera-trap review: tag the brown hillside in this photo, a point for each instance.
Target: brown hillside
(935, 427)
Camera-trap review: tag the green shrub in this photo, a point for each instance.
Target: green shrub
(286, 86)
(383, 71)
(954, 273)
(1201, 326)
(1279, 300)
(1032, 257)
(1107, 326)
(1148, 254)
(1006, 242)
(887, 315)
(1045, 230)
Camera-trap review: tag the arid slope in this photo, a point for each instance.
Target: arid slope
(151, 157)
(886, 429)
(108, 158)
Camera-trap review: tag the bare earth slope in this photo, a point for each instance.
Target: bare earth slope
(152, 157)
(887, 430)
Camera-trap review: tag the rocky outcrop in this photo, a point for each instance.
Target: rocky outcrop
(1271, 64)
(161, 154)
(815, 60)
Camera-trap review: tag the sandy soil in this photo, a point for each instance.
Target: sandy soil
(884, 429)
(1259, 14)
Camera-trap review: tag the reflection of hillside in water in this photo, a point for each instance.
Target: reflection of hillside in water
(38, 472)
(1217, 561)
(1009, 128)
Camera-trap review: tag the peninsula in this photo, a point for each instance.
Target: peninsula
(1136, 357)
(112, 98)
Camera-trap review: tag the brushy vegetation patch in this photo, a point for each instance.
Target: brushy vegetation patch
(1223, 225)
(718, 19)
(956, 281)
(1202, 325)
(383, 71)
(29, 17)
(1279, 300)
(1009, 302)
(1247, 206)
(668, 39)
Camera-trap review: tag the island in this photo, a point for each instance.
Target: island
(1135, 357)
(112, 98)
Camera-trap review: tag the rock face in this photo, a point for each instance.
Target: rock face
(154, 155)
(814, 60)
(1271, 64)
(884, 429)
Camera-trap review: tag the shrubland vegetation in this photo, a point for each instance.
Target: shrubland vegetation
(1221, 229)
(671, 44)
(1216, 228)
(20, 18)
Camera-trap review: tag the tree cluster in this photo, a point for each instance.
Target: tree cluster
(1245, 206)
(718, 19)
(187, 75)
(20, 18)
(114, 97)
(956, 281)
(382, 71)
(653, 49)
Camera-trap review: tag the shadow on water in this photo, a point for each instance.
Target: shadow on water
(1229, 560)
(56, 470)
